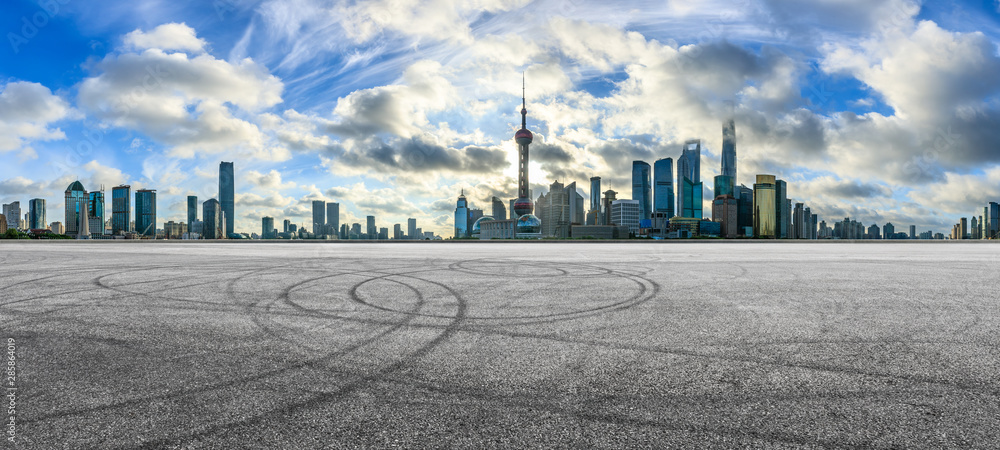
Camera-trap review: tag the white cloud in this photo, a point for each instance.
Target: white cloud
(169, 36)
(270, 181)
(27, 111)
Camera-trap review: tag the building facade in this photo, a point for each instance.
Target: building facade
(145, 212)
(227, 196)
(642, 188)
(76, 205)
(764, 207)
(211, 219)
(36, 214)
(626, 213)
(192, 212)
(663, 187)
(121, 210)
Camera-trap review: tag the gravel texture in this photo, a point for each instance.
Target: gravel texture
(503, 345)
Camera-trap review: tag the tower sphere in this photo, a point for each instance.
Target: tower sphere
(523, 206)
(523, 137)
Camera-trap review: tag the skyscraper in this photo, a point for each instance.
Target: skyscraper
(642, 188)
(227, 196)
(595, 194)
(36, 214)
(663, 186)
(609, 198)
(744, 218)
(95, 210)
(411, 228)
(121, 209)
(729, 150)
(626, 213)
(689, 186)
(913, 231)
(764, 208)
(993, 223)
(782, 214)
(266, 227)
(397, 232)
(211, 217)
(319, 217)
(76, 205)
(372, 231)
(499, 210)
(192, 207)
(332, 218)
(12, 211)
(145, 212)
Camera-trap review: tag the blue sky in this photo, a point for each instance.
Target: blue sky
(877, 110)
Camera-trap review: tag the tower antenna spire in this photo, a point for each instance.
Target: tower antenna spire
(524, 106)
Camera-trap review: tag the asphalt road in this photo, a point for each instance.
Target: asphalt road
(472, 345)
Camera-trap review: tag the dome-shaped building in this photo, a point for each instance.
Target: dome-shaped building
(528, 227)
(76, 208)
(476, 227)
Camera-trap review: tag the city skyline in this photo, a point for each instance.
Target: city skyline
(852, 129)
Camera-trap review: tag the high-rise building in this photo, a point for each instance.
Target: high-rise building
(411, 228)
(993, 223)
(626, 213)
(462, 216)
(95, 211)
(888, 230)
(12, 211)
(729, 150)
(642, 188)
(57, 228)
(227, 196)
(813, 219)
(782, 213)
(355, 231)
(913, 231)
(3, 223)
(595, 194)
(372, 232)
(764, 208)
(332, 218)
(211, 218)
(689, 187)
(725, 210)
(145, 212)
(663, 186)
(267, 227)
(744, 218)
(397, 232)
(121, 210)
(873, 232)
(609, 198)
(36, 214)
(319, 217)
(798, 222)
(192, 212)
(76, 205)
(499, 210)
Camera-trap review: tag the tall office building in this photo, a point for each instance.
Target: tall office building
(689, 186)
(595, 193)
(12, 211)
(371, 231)
(462, 216)
(609, 198)
(145, 212)
(36, 214)
(642, 188)
(192, 212)
(95, 210)
(332, 218)
(813, 220)
(663, 186)
(227, 196)
(798, 222)
(782, 214)
(744, 218)
(993, 223)
(626, 213)
(267, 227)
(499, 210)
(411, 228)
(76, 205)
(888, 230)
(559, 209)
(211, 218)
(397, 232)
(121, 210)
(725, 210)
(319, 217)
(729, 150)
(913, 231)
(764, 208)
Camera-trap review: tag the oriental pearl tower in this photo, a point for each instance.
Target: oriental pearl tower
(528, 225)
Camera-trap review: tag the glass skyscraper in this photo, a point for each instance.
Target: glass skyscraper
(462, 216)
(192, 203)
(764, 207)
(36, 214)
(332, 218)
(145, 212)
(372, 232)
(76, 205)
(267, 227)
(782, 214)
(227, 195)
(95, 205)
(595, 194)
(319, 217)
(663, 186)
(729, 150)
(689, 180)
(211, 219)
(642, 188)
(121, 209)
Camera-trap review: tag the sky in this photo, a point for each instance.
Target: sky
(877, 110)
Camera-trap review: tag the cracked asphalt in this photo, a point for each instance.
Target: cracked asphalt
(503, 345)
